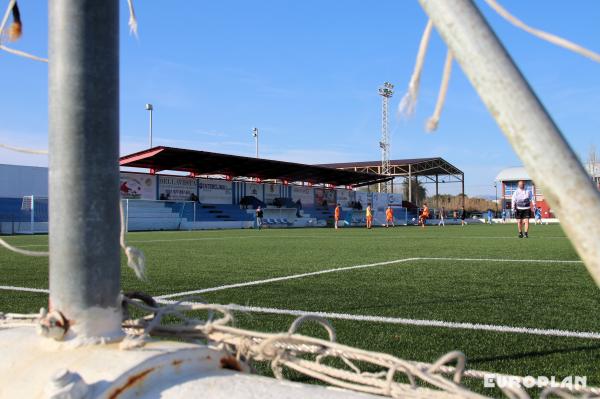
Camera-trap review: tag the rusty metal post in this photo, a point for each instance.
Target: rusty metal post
(84, 169)
(525, 122)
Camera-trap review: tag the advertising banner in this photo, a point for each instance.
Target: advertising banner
(138, 186)
(255, 190)
(362, 197)
(324, 196)
(305, 194)
(380, 201)
(177, 188)
(395, 199)
(213, 191)
(272, 191)
(344, 197)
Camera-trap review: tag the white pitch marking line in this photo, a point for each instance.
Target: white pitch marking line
(423, 323)
(341, 269)
(25, 289)
(283, 278)
(394, 237)
(505, 260)
(380, 319)
(412, 322)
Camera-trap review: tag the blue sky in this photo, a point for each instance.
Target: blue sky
(306, 74)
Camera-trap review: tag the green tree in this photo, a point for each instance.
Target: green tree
(451, 202)
(419, 192)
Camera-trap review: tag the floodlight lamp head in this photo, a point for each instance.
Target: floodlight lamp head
(149, 107)
(387, 90)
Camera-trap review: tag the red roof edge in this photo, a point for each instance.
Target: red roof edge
(123, 161)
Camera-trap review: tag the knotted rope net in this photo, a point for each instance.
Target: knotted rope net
(408, 103)
(324, 360)
(15, 31)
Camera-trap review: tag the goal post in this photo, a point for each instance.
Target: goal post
(33, 217)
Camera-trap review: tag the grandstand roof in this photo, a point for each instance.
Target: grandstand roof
(403, 167)
(513, 174)
(211, 163)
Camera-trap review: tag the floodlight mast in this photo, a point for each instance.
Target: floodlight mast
(386, 91)
(83, 81)
(150, 108)
(525, 122)
(255, 135)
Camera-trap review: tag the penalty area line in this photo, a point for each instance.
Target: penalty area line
(283, 278)
(379, 319)
(413, 322)
(392, 237)
(347, 268)
(422, 323)
(24, 289)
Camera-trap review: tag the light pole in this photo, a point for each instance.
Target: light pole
(150, 108)
(496, 187)
(386, 91)
(255, 135)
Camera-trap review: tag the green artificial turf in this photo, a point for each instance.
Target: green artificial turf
(536, 295)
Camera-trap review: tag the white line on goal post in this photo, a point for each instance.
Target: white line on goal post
(347, 268)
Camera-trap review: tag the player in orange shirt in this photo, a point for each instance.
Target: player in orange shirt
(369, 213)
(424, 215)
(336, 216)
(389, 217)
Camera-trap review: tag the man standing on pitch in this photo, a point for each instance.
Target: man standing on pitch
(424, 215)
(538, 215)
(522, 200)
(389, 217)
(336, 215)
(369, 214)
(259, 217)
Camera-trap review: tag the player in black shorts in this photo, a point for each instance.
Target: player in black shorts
(522, 200)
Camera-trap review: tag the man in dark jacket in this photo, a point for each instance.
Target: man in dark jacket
(259, 217)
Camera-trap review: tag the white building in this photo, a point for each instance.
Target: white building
(18, 181)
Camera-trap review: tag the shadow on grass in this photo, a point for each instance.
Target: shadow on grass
(532, 354)
(413, 303)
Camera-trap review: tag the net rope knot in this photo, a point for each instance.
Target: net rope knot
(306, 354)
